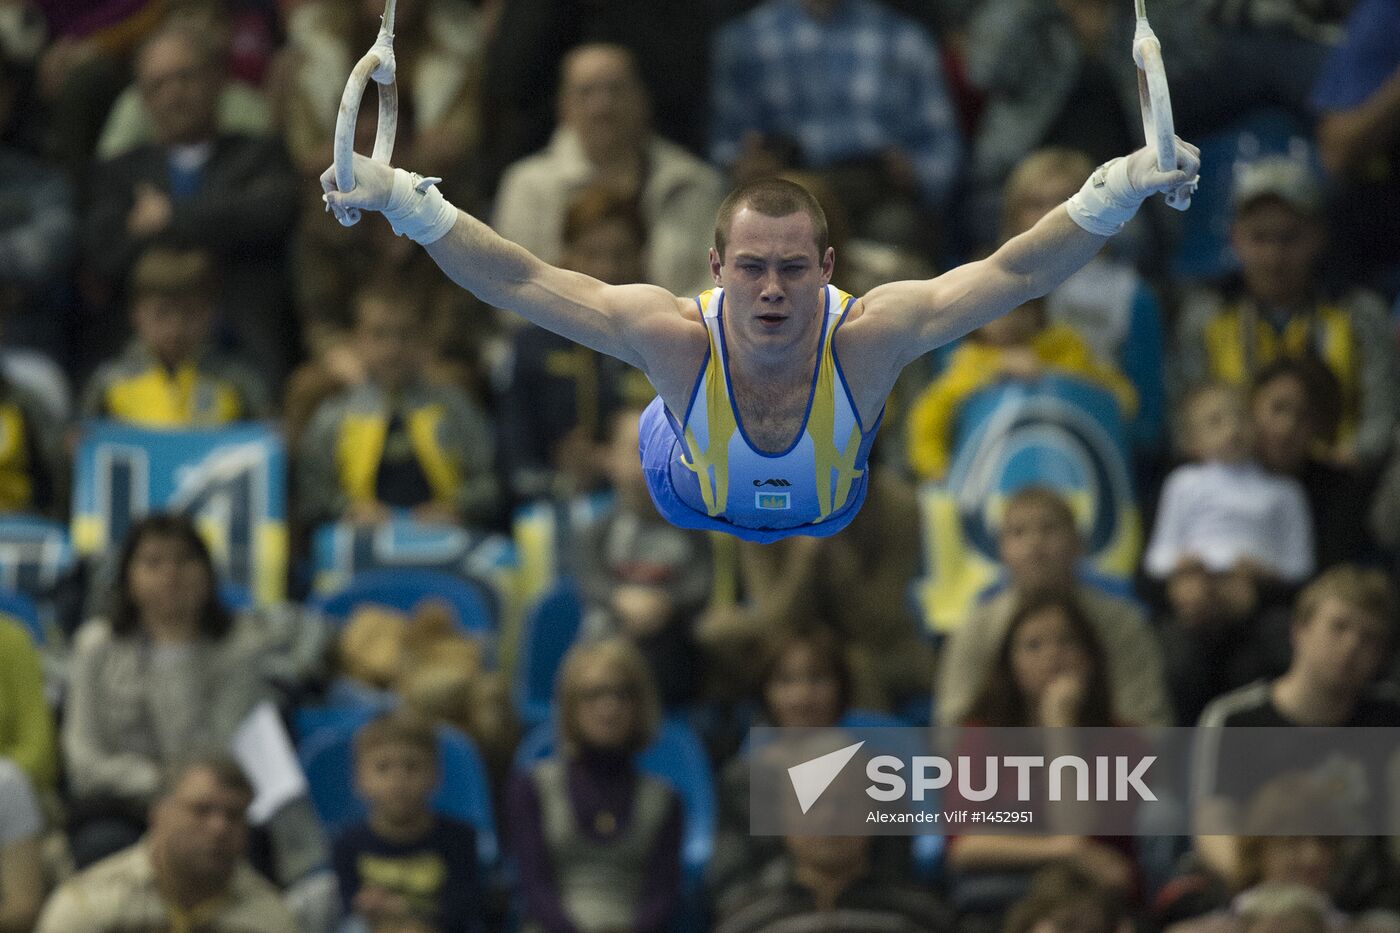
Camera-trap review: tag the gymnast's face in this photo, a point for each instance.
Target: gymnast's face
(773, 278)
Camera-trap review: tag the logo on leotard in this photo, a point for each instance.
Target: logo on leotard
(773, 501)
(771, 482)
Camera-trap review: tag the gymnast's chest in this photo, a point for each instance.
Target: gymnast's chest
(772, 415)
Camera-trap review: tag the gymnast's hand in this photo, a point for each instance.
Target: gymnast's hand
(374, 182)
(1144, 179)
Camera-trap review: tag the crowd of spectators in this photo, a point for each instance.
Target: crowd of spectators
(165, 262)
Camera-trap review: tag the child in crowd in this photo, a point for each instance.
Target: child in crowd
(1107, 303)
(1225, 527)
(1019, 345)
(396, 440)
(406, 866)
(169, 377)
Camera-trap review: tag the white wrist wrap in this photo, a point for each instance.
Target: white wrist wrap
(417, 210)
(1106, 202)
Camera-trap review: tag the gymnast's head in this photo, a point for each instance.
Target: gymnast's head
(772, 256)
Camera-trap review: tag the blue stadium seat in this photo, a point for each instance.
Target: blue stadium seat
(22, 610)
(464, 793)
(404, 590)
(550, 627)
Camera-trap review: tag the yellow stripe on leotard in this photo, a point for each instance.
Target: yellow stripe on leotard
(711, 463)
(821, 425)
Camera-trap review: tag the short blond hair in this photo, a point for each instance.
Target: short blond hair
(1050, 162)
(1368, 590)
(621, 654)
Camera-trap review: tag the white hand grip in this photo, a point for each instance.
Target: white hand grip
(377, 65)
(1155, 99)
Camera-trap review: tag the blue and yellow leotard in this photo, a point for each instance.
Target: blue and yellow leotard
(704, 473)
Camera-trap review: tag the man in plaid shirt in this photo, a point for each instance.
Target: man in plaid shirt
(849, 89)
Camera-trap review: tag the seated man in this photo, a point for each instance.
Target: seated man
(188, 873)
(1342, 635)
(168, 377)
(397, 440)
(777, 442)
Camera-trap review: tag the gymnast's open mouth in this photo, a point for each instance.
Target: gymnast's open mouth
(772, 320)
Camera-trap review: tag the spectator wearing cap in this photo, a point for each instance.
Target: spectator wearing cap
(1278, 306)
(169, 377)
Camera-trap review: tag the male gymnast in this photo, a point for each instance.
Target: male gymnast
(771, 386)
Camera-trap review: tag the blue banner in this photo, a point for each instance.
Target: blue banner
(1056, 431)
(342, 550)
(35, 554)
(232, 480)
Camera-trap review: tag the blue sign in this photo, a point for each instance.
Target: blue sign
(342, 550)
(231, 480)
(1058, 432)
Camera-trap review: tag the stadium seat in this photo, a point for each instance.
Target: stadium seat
(550, 627)
(22, 610)
(404, 590)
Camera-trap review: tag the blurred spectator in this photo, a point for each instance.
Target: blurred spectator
(857, 581)
(1112, 309)
(33, 370)
(406, 862)
(26, 722)
(1040, 547)
(1358, 99)
(1223, 516)
(605, 139)
(21, 855)
(1066, 899)
(37, 231)
(831, 883)
(1019, 345)
(1230, 542)
(232, 196)
(642, 577)
(397, 439)
(1050, 671)
(1283, 854)
(31, 453)
(187, 873)
(1286, 404)
(1342, 636)
(241, 108)
(158, 678)
(528, 44)
(873, 115)
(1278, 306)
(804, 682)
(169, 377)
(597, 843)
(1053, 73)
(560, 395)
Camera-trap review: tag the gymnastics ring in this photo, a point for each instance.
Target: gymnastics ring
(1156, 101)
(376, 65)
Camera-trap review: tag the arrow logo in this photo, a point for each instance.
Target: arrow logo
(811, 778)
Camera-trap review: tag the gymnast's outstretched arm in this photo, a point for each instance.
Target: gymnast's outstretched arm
(635, 323)
(901, 321)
